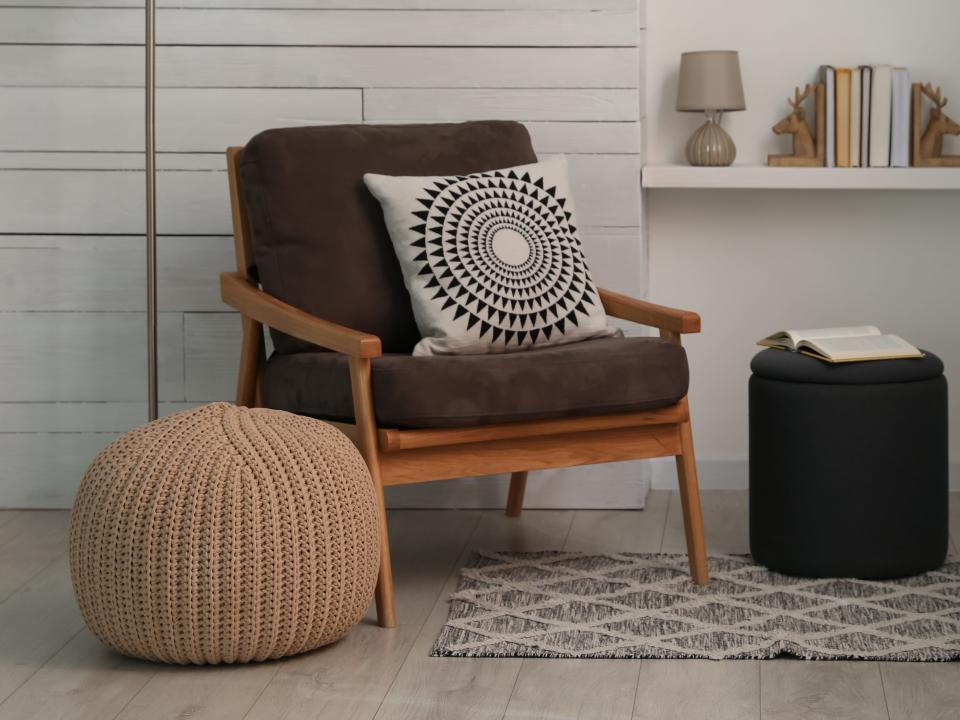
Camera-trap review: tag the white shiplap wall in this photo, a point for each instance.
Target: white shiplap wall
(72, 358)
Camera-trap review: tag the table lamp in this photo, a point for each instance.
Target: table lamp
(710, 83)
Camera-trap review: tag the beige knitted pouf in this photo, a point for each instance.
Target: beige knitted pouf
(224, 534)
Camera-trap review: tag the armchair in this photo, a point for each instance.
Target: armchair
(305, 228)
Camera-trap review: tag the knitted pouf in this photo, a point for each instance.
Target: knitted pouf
(225, 534)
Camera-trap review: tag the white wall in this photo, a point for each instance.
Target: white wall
(757, 261)
(72, 359)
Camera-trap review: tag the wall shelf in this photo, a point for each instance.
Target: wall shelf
(762, 177)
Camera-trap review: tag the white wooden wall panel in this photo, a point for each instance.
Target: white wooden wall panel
(69, 202)
(398, 67)
(606, 189)
(613, 256)
(292, 27)
(70, 160)
(71, 186)
(321, 67)
(358, 4)
(86, 356)
(207, 120)
(44, 469)
(186, 271)
(410, 105)
(585, 137)
(74, 268)
(195, 202)
(211, 341)
(67, 273)
(74, 160)
(189, 119)
(77, 417)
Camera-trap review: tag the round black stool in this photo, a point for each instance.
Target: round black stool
(848, 466)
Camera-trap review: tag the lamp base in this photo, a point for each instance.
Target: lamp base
(710, 145)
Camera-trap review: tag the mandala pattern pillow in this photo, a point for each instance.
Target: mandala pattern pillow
(492, 260)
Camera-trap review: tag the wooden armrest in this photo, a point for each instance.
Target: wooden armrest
(238, 292)
(647, 313)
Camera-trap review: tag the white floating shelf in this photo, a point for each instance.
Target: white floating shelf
(763, 177)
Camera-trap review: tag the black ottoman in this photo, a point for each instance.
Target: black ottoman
(848, 466)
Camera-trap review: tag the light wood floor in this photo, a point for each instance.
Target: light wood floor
(52, 668)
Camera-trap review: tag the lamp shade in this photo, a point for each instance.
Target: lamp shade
(710, 80)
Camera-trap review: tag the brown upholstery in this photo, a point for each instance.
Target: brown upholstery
(319, 238)
(589, 377)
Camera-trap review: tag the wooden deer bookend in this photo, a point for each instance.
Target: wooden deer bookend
(808, 150)
(928, 147)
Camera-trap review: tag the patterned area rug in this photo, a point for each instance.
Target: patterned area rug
(630, 605)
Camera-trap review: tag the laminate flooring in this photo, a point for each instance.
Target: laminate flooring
(52, 668)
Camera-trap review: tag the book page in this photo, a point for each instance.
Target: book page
(863, 347)
(837, 332)
(781, 340)
(791, 339)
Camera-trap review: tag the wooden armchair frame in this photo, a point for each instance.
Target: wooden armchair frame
(397, 457)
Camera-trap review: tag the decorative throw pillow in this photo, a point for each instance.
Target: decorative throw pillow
(492, 260)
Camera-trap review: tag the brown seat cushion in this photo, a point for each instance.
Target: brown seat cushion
(590, 377)
(319, 238)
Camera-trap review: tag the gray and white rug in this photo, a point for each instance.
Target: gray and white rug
(631, 605)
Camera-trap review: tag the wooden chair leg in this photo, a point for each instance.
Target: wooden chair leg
(386, 610)
(690, 500)
(258, 391)
(518, 485)
(367, 442)
(251, 362)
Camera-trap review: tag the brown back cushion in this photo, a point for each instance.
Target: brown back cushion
(319, 238)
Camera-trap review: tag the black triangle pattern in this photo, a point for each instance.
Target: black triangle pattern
(505, 255)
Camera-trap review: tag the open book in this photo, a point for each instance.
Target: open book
(844, 344)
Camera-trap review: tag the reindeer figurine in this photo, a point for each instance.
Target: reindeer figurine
(808, 150)
(928, 148)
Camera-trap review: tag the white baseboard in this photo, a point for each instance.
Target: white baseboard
(730, 474)
(594, 487)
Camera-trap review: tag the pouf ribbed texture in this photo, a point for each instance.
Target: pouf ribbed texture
(225, 534)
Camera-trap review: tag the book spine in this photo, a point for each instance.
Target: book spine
(866, 77)
(828, 77)
(880, 110)
(843, 116)
(855, 111)
(900, 119)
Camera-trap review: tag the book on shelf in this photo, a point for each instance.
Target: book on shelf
(855, 117)
(880, 110)
(842, 344)
(900, 118)
(866, 76)
(868, 118)
(828, 78)
(842, 83)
